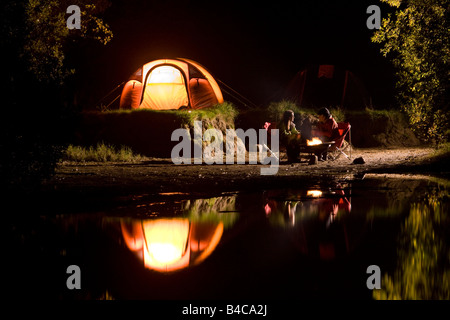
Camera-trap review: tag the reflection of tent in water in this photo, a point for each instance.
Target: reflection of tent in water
(327, 86)
(170, 244)
(170, 84)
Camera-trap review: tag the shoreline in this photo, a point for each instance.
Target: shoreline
(161, 175)
(94, 187)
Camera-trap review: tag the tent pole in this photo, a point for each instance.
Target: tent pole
(345, 89)
(350, 138)
(303, 86)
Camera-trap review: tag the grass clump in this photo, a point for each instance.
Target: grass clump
(377, 113)
(442, 152)
(101, 153)
(224, 111)
(212, 210)
(275, 110)
(338, 114)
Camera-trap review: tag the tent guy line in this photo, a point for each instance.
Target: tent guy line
(240, 95)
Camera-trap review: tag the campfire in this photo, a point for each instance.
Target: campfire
(315, 141)
(314, 193)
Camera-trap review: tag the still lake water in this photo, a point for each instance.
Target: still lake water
(316, 242)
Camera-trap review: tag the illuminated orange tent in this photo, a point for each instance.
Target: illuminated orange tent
(170, 84)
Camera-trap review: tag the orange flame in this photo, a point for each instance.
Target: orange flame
(314, 193)
(315, 141)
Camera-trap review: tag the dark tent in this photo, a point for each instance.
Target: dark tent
(327, 86)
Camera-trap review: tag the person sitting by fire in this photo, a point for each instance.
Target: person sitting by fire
(290, 137)
(326, 130)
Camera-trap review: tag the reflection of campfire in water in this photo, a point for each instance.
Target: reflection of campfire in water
(173, 243)
(314, 142)
(310, 203)
(316, 220)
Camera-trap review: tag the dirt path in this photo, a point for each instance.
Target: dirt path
(161, 175)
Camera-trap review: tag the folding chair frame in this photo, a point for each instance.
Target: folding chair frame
(282, 152)
(339, 149)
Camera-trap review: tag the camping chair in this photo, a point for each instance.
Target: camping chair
(340, 145)
(281, 148)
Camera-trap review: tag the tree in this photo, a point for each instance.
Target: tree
(416, 38)
(47, 34)
(35, 42)
(423, 255)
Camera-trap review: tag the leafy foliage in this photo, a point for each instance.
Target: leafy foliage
(35, 42)
(416, 37)
(423, 253)
(47, 33)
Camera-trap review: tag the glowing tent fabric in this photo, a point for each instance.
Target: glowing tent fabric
(164, 89)
(170, 84)
(170, 244)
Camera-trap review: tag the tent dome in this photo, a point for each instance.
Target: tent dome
(166, 84)
(327, 86)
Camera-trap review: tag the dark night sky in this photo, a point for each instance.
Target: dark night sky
(255, 47)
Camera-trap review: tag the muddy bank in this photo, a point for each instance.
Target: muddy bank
(89, 185)
(92, 185)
